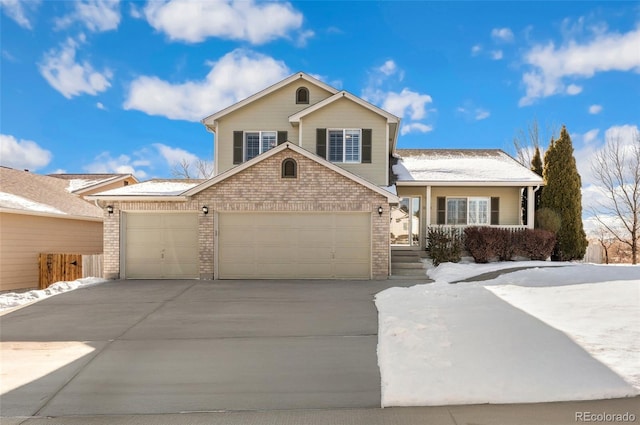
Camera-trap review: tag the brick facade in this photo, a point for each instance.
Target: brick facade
(261, 188)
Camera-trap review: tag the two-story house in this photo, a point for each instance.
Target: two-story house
(301, 189)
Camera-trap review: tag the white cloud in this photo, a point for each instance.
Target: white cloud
(482, 114)
(175, 156)
(406, 103)
(22, 154)
(573, 89)
(415, 127)
(195, 21)
(476, 49)
(550, 65)
(496, 55)
(122, 164)
(96, 15)
(19, 9)
(389, 68)
(99, 105)
(63, 73)
(595, 109)
(504, 35)
(235, 76)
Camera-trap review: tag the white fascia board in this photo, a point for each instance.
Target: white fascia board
(51, 215)
(477, 183)
(298, 75)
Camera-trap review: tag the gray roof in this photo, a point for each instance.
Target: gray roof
(35, 193)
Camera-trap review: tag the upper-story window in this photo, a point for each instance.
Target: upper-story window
(257, 142)
(344, 145)
(289, 168)
(302, 95)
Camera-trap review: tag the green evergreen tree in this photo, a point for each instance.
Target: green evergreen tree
(536, 162)
(562, 195)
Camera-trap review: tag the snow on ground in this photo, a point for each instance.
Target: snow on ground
(454, 272)
(536, 335)
(14, 299)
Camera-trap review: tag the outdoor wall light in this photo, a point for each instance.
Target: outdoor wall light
(110, 209)
(205, 210)
(380, 210)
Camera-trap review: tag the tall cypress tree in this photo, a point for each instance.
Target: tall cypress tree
(536, 167)
(562, 195)
(536, 162)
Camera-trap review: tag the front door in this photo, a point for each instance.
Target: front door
(405, 222)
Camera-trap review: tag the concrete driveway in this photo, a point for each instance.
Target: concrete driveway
(133, 347)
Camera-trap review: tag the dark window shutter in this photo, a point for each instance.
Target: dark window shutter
(442, 210)
(321, 142)
(238, 142)
(495, 211)
(282, 137)
(366, 146)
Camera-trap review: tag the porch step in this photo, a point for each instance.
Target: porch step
(408, 264)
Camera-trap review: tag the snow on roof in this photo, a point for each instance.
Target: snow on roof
(153, 188)
(461, 165)
(15, 202)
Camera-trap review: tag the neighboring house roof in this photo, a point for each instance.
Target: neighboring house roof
(163, 188)
(23, 192)
(292, 146)
(456, 167)
(298, 75)
(82, 183)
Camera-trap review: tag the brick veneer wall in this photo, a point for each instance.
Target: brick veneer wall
(261, 188)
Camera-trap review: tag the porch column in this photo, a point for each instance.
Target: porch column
(531, 205)
(427, 205)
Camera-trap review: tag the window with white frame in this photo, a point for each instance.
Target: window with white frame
(257, 142)
(344, 145)
(468, 211)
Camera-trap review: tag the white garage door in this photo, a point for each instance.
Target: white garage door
(161, 246)
(294, 245)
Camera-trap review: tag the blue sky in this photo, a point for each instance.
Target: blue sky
(108, 86)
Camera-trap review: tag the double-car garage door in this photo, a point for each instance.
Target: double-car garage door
(251, 245)
(294, 245)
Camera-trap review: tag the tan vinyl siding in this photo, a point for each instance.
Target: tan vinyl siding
(344, 113)
(509, 200)
(23, 237)
(269, 113)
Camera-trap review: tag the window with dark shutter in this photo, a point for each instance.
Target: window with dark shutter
(495, 211)
(238, 142)
(442, 210)
(366, 145)
(282, 137)
(321, 142)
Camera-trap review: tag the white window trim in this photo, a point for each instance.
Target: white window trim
(344, 145)
(487, 199)
(260, 148)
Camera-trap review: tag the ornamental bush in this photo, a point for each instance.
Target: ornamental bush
(489, 243)
(444, 245)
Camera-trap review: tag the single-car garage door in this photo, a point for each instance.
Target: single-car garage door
(161, 246)
(294, 245)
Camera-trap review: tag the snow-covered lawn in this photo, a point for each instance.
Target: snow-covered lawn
(10, 300)
(535, 335)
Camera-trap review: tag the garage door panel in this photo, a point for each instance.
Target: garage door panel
(294, 245)
(161, 245)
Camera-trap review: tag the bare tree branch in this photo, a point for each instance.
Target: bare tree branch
(200, 169)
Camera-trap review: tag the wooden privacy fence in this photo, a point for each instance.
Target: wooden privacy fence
(67, 267)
